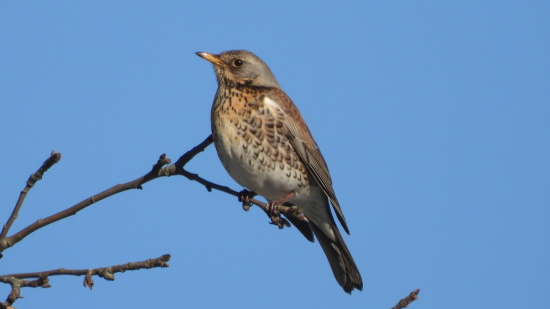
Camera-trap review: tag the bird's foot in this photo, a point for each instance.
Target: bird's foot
(274, 210)
(279, 221)
(244, 197)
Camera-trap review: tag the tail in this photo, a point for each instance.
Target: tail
(340, 259)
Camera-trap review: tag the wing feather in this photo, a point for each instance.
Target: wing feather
(301, 139)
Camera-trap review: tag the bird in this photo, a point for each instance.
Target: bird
(265, 145)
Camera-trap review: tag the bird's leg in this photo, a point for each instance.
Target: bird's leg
(274, 212)
(273, 205)
(244, 197)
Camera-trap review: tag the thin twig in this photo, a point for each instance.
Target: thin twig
(17, 281)
(156, 171)
(53, 159)
(135, 184)
(407, 300)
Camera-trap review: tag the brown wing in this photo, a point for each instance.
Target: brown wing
(301, 139)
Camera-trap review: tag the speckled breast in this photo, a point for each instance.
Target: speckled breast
(252, 146)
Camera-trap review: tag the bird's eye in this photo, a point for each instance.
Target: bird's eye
(238, 62)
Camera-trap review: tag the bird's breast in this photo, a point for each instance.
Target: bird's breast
(252, 145)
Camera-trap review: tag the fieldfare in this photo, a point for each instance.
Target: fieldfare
(265, 145)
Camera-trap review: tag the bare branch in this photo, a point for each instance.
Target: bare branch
(157, 171)
(407, 300)
(188, 156)
(53, 159)
(17, 281)
(135, 184)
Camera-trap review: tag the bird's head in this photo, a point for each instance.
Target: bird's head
(240, 67)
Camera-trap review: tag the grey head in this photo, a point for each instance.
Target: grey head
(240, 67)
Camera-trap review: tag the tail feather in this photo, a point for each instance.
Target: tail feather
(343, 266)
(303, 227)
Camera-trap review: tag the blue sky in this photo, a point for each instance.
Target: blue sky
(432, 116)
